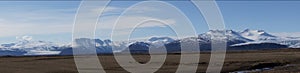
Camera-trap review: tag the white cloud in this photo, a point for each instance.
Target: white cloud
(16, 21)
(51, 21)
(127, 22)
(2, 20)
(26, 29)
(108, 9)
(134, 10)
(26, 38)
(132, 17)
(287, 34)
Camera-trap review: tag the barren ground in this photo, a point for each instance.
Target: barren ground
(281, 61)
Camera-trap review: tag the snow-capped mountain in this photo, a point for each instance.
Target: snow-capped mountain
(26, 46)
(88, 46)
(230, 36)
(243, 40)
(160, 41)
(261, 36)
(258, 35)
(235, 41)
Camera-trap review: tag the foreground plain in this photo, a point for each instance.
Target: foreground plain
(276, 61)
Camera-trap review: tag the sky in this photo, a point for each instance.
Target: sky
(53, 20)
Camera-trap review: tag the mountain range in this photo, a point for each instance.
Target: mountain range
(235, 40)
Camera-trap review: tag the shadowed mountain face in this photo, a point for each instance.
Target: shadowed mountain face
(261, 46)
(244, 40)
(139, 47)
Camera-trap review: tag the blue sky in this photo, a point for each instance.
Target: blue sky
(53, 20)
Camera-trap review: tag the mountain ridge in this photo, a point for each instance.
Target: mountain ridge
(234, 39)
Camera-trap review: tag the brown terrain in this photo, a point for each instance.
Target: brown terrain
(272, 61)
